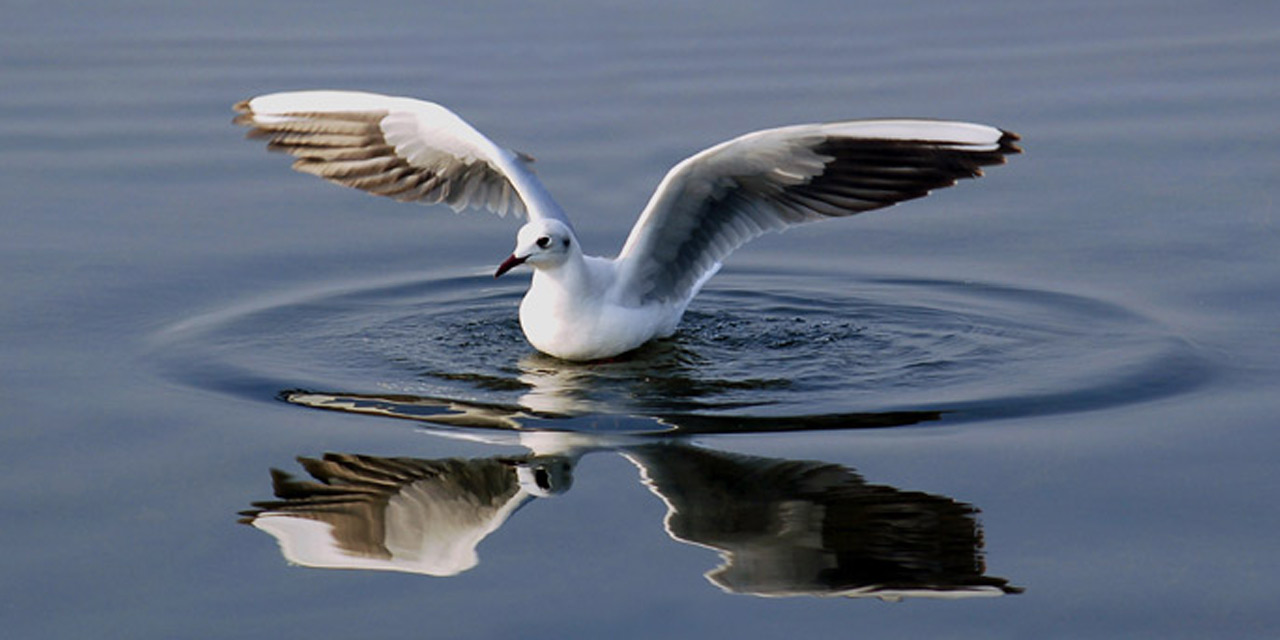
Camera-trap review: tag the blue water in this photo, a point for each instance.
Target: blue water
(1048, 394)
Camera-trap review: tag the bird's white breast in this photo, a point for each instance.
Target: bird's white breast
(561, 321)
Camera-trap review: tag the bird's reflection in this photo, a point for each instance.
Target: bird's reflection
(781, 527)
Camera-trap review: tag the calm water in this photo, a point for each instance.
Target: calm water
(1040, 404)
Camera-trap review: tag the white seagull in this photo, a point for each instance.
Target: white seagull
(582, 307)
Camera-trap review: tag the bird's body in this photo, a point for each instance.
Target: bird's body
(574, 313)
(582, 307)
(578, 307)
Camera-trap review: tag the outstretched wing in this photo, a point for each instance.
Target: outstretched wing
(406, 149)
(721, 198)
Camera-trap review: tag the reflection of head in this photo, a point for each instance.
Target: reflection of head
(394, 514)
(545, 477)
(789, 527)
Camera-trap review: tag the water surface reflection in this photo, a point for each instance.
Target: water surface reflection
(781, 527)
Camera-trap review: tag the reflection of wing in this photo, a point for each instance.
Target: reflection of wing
(454, 413)
(550, 408)
(789, 528)
(393, 514)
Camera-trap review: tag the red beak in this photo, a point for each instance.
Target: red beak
(509, 264)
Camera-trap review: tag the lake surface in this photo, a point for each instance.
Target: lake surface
(240, 402)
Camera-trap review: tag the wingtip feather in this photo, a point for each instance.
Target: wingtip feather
(1009, 142)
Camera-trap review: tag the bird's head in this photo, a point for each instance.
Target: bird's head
(541, 243)
(544, 476)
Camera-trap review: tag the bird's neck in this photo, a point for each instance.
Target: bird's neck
(573, 277)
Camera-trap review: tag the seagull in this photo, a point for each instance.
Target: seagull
(583, 308)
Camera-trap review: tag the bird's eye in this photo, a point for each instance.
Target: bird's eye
(544, 242)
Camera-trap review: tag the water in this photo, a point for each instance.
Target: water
(1036, 404)
(767, 343)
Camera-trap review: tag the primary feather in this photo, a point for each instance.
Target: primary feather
(406, 149)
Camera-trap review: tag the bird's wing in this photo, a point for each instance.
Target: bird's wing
(403, 148)
(721, 198)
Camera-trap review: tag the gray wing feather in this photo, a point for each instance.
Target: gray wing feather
(714, 202)
(352, 149)
(401, 148)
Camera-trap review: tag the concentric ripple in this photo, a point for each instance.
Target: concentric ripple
(787, 349)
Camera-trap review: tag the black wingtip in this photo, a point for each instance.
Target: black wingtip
(1008, 142)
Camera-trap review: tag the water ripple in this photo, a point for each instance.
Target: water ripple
(757, 351)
